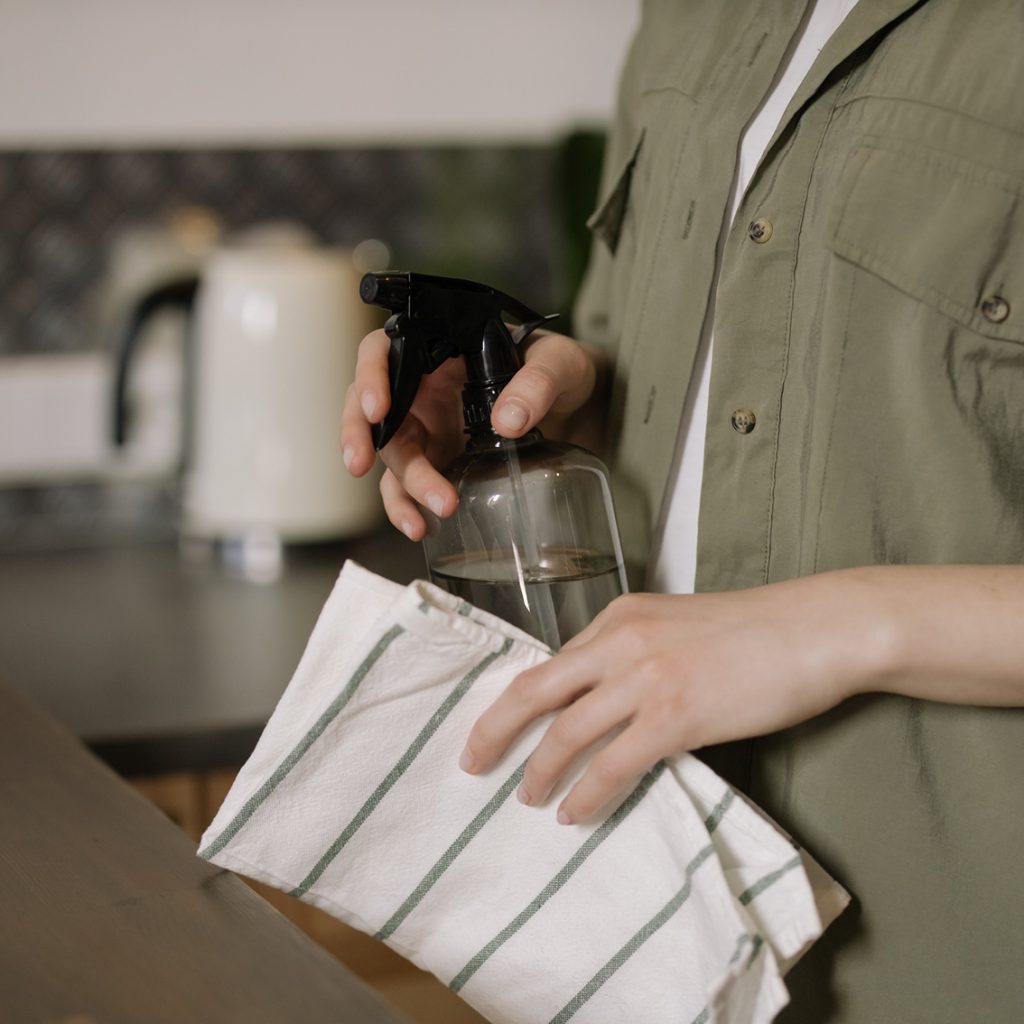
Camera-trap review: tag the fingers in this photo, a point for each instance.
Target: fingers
(356, 443)
(610, 774)
(558, 377)
(531, 694)
(414, 452)
(610, 677)
(371, 379)
(577, 727)
(401, 509)
(415, 475)
(366, 401)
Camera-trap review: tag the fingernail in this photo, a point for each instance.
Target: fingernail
(347, 455)
(435, 503)
(512, 416)
(522, 795)
(466, 761)
(407, 529)
(369, 404)
(563, 817)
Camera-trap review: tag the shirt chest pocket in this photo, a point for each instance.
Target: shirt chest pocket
(945, 231)
(609, 219)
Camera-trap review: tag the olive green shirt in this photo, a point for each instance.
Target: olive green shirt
(866, 407)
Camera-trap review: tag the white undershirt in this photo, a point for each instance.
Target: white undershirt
(675, 564)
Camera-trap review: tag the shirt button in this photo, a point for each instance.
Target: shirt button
(995, 309)
(743, 421)
(759, 230)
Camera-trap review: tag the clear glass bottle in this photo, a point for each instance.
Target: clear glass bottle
(533, 539)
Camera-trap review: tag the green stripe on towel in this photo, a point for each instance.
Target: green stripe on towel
(334, 708)
(598, 836)
(743, 940)
(649, 929)
(746, 937)
(714, 819)
(433, 724)
(492, 806)
(748, 895)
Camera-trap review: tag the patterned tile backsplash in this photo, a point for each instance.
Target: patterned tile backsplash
(489, 213)
(505, 215)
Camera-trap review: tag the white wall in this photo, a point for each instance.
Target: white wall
(143, 72)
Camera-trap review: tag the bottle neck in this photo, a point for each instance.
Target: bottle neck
(488, 370)
(490, 440)
(477, 402)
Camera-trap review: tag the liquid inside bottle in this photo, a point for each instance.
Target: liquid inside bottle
(575, 583)
(533, 539)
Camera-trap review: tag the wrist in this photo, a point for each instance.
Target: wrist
(859, 630)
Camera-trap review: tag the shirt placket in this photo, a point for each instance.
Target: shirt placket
(753, 361)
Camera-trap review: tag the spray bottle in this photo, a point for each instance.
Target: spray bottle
(533, 539)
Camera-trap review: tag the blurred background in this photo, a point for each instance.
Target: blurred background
(453, 137)
(189, 192)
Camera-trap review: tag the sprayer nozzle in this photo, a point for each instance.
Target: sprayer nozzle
(437, 318)
(388, 290)
(368, 289)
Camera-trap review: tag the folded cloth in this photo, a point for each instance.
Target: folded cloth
(679, 906)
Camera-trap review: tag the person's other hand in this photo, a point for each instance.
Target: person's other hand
(675, 673)
(556, 380)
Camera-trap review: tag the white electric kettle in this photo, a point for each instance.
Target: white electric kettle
(272, 348)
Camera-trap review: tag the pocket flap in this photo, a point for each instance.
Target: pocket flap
(607, 220)
(943, 230)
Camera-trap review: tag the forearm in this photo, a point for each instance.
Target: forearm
(681, 672)
(943, 633)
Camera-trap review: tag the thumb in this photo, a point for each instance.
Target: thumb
(558, 377)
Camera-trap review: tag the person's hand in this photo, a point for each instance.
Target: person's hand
(556, 380)
(675, 673)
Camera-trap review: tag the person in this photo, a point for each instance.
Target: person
(803, 324)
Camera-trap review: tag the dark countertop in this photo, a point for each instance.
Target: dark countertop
(161, 665)
(109, 915)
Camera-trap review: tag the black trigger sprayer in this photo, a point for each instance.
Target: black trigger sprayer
(533, 538)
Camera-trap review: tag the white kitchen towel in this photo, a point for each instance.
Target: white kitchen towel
(679, 906)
